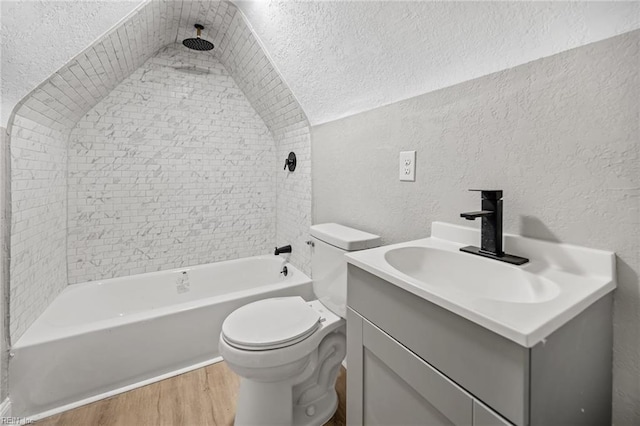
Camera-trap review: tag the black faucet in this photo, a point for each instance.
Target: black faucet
(491, 232)
(283, 249)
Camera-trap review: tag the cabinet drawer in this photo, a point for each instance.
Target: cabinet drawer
(490, 367)
(389, 367)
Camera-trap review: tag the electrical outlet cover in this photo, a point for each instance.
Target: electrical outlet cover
(407, 170)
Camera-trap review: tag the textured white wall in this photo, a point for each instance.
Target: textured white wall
(559, 135)
(38, 37)
(343, 57)
(170, 169)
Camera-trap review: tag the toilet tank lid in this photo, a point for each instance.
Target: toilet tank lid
(344, 237)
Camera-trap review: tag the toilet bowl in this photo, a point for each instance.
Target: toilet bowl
(288, 351)
(282, 384)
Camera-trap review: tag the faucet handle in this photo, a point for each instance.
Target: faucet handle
(489, 194)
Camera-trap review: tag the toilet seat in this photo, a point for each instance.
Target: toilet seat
(270, 324)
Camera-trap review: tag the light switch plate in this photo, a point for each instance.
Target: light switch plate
(408, 166)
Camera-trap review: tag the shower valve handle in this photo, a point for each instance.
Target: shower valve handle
(290, 162)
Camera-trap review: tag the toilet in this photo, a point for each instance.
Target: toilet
(288, 351)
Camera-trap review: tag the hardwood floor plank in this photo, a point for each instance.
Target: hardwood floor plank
(203, 397)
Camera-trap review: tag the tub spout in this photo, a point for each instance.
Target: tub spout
(283, 249)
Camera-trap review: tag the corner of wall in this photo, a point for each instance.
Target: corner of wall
(38, 214)
(248, 61)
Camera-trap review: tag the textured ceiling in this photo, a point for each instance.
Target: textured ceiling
(340, 58)
(58, 86)
(38, 37)
(90, 45)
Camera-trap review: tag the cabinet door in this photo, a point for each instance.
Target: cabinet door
(389, 400)
(399, 388)
(483, 416)
(354, 364)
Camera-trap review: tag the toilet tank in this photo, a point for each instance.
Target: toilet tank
(328, 265)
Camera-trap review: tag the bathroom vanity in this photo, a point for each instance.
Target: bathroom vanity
(424, 352)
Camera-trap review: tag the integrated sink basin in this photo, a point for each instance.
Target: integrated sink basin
(523, 303)
(474, 276)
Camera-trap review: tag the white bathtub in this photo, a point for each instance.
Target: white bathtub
(104, 337)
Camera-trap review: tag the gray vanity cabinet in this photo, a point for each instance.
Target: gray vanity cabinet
(400, 388)
(411, 362)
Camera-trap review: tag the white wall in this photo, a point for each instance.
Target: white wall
(171, 169)
(559, 135)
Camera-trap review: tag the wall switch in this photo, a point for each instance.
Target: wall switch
(408, 166)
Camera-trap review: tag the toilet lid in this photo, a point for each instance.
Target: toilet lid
(270, 323)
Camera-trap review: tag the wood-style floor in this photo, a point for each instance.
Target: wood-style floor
(202, 397)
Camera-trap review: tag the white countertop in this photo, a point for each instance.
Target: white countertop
(582, 276)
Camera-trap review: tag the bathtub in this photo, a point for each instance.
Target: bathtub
(105, 337)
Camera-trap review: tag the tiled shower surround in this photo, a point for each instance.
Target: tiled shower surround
(250, 66)
(172, 168)
(38, 266)
(157, 167)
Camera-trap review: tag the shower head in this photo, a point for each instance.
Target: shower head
(198, 43)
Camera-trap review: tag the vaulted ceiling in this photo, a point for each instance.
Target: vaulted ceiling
(39, 37)
(338, 58)
(71, 91)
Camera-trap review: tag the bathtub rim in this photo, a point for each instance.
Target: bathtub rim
(40, 332)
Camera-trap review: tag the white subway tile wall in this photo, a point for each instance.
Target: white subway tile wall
(100, 182)
(172, 168)
(242, 54)
(293, 216)
(38, 269)
(39, 133)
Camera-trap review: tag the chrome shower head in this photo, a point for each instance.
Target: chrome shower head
(198, 43)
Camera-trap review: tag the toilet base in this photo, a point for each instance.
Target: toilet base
(270, 404)
(315, 398)
(300, 396)
(316, 413)
(264, 404)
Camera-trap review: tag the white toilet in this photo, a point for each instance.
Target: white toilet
(287, 351)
